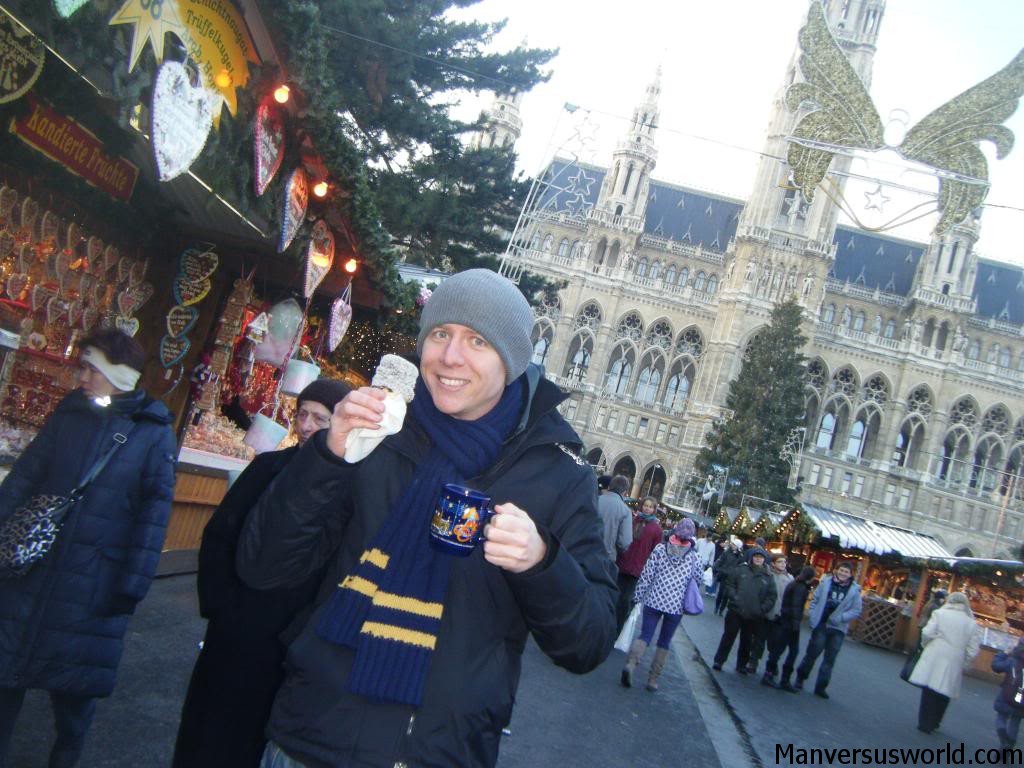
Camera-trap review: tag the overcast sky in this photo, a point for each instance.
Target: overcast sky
(723, 64)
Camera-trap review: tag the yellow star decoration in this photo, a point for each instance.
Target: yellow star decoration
(152, 19)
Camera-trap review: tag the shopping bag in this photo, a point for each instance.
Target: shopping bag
(709, 577)
(693, 603)
(625, 639)
(909, 664)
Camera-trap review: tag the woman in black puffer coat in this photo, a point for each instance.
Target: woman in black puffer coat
(62, 624)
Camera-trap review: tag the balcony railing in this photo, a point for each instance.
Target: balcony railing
(991, 324)
(786, 241)
(939, 299)
(682, 249)
(875, 295)
(608, 219)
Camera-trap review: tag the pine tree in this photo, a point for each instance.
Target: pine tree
(767, 403)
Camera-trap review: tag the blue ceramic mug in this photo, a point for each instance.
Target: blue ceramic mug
(459, 519)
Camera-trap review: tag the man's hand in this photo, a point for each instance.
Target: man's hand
(511, 540)
(361, 408)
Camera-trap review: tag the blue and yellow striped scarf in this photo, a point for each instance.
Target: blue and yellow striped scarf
(389, 608)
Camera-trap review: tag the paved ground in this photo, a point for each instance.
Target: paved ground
(560, 719)
(869, 705)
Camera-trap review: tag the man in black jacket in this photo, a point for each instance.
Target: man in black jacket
(786, 632)
(239, 668)
(751, 597)
(412, 657)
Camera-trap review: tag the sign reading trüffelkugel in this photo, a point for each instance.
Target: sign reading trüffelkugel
(182, 119)
(64, 141)
(21, 59)
(296, 196)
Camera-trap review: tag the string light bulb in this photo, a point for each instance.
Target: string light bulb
(223, 79)
(351, 266)
(320, 188)
(320, 260)
(281, 94)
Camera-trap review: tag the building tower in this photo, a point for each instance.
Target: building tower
(502, 122)
(624, 190)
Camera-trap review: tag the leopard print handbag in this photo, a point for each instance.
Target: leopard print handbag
(27, 536)
(30, 533)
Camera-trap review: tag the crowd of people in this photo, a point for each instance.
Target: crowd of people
(337, 634)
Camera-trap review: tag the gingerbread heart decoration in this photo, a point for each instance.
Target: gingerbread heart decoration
(85, 285)
(182, 118)
(8, 199)
(60, 264)
(196, 264)
(140, 294)
(93, 250)
(26, 258)
(49, 224)
(124, 269)
(40, 295)
(111, 256)
(65, 280)
(15, 287)
(180, 320)
(90, 315)
(29, 213)
(138, 272)
(128, 325)
(268, 144)
(173, 350)
(74, 311)
(6, 244)
(189, 292)
(74, 237)
(125, 303)
(55, 309)
(296, 198)
(341, 316)
(99, 295)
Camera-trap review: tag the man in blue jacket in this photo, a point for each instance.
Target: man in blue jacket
(835, 604)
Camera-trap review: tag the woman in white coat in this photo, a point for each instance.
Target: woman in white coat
(950, 643)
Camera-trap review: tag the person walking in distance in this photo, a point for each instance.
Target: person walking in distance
(835, 604)
(751, 595)
(767, 625)
(951, 641)
(730, 558)
(706, 550)
(785, 635)
(616, 518)
(662, 586)
(647, 534)
(1009, 703)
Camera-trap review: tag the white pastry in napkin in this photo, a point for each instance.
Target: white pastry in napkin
(397, 376)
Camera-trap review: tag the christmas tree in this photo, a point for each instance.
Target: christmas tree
(766, 402)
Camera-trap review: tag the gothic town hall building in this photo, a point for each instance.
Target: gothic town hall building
(915, 382)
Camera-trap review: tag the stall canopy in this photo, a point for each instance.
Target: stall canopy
(871, 537)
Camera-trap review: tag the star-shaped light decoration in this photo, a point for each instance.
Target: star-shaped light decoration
(876, 199)
(151, 23)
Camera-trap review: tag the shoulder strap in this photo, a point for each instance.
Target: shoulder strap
(120, 438)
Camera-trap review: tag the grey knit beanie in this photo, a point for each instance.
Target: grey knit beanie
(493, 307)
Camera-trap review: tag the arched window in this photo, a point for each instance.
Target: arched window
(974, 350)
(548, 240)
(678, 387)
(577, 249)
(1005, 355)
(649, 381)
(956, 451)
(712, 284)
(619, 371)
(700, 281)
(629, 176)
(909, 443)
(641, 267)
(670, 275)
(828, 314)
(579, 365)
(655, 270)
(855, 441)
(684, 276)
(540, 350)
(858, 321)
(826, 431)
(563, 247)
(890, 329)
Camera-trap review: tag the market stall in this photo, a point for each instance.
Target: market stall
(888, 564)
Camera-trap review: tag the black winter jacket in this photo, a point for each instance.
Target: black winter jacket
(62, 625)
(794, 598)
(751, 592)
(239, 668)
(566, 602)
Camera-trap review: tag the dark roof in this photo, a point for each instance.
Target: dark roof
(874, 261)
(689, 216)
(999, 291)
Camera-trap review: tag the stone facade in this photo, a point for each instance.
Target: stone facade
(915, 386)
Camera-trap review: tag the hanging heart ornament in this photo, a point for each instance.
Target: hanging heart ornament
(196, 264)
(180, 320)
(296, 197)
(319, 256)
(268, 144)
(189, 292)
(182, 119)
(16, 285)
(173, 351)
(341, 316)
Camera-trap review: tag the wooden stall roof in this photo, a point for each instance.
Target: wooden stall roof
(869, 536)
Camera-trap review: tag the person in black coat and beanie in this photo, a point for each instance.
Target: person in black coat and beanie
(786, 632)
(239, 668)
(62, 624)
